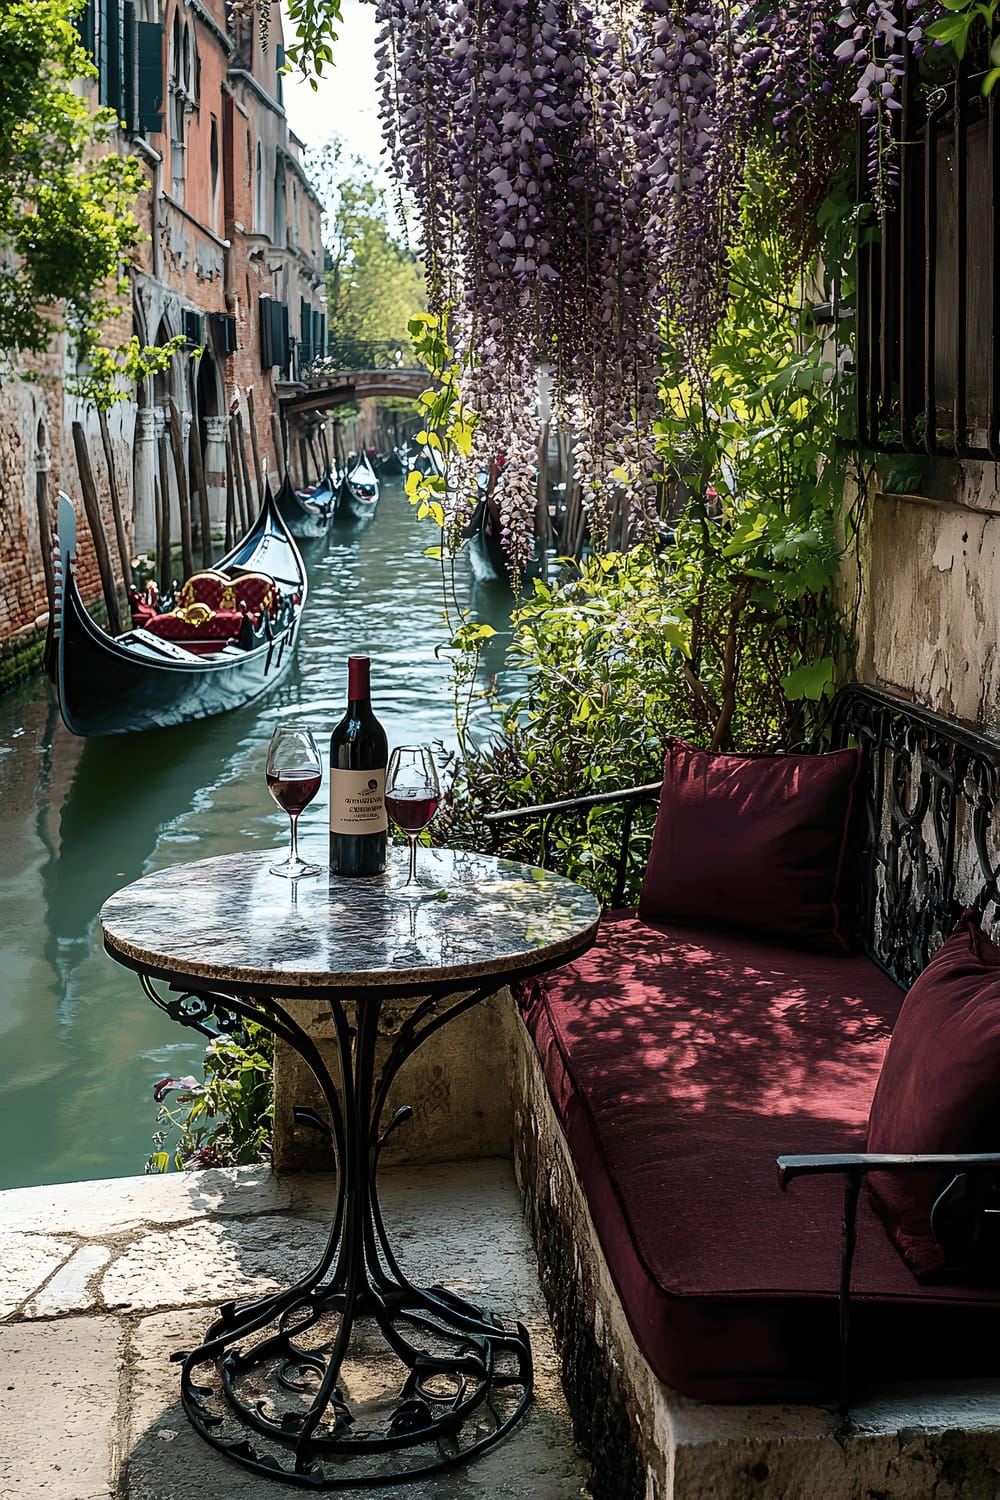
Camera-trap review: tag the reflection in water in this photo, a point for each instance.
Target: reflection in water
(79, 1047)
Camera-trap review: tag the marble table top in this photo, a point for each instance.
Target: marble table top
(228, 920)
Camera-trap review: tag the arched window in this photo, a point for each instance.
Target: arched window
(280, 225)
(258, 202)
(213, 152)
(179, 58)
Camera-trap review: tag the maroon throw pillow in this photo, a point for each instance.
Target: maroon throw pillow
(939, 1088)
(752, 841)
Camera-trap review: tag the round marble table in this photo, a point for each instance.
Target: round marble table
(351, 1377)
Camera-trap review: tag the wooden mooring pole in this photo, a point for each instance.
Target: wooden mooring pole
(92, 506)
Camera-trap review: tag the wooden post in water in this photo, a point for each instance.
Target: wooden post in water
(239, 470)
(277, 438)
(45, 532)
(304, 461)
(198, 474)
(258, 472)
(183, 498)
(163, 558)
(326, 449)
(92, 506)
(116, 504)
(230, 494)
(317, 467)
(243, 468)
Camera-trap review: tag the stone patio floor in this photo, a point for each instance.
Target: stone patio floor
(101, 1281)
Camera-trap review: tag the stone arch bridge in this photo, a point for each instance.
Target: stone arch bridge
(352, 370)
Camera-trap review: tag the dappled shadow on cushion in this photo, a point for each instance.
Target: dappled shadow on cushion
(681, 1063)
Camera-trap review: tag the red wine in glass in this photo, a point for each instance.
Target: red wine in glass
(293, 773)
(293, 790)
(411, 808)
(412, 794)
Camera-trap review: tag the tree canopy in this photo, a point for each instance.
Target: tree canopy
(374, 282)
(66, 220)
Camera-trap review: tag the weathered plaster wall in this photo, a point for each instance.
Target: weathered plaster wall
(930, 610)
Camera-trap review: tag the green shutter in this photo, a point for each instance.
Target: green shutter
(281, 334)
(128, 61)
(113, 57)
(85, 26)
(273, 333)
(306, 351)
(149, 52)
(279, 63)
(102, 52)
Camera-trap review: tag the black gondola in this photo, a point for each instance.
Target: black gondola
(360, 489)
(487, 557)
(307, 513)
(141, 680)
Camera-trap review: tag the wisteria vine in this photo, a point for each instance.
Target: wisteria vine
(577, 167)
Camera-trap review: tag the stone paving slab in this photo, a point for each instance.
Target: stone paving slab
(59, 1409)
(115, 1204)
(27, 1262)
(92, 1411)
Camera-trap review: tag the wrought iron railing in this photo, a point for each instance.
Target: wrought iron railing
(344, 353)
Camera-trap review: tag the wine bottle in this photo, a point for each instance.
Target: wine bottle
(359, 752)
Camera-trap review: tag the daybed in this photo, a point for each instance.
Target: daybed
(686, 1053)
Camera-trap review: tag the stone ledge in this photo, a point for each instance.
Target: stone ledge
(647, 1443)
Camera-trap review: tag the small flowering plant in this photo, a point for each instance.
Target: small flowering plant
(225, 1120)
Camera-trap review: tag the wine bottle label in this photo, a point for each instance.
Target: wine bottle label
(357, 801)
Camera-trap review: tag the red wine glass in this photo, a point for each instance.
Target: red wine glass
(412, 794)
(294, 771)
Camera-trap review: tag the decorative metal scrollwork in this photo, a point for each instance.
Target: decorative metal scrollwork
(929, 791)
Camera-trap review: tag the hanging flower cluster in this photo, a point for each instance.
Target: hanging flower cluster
(577, 167)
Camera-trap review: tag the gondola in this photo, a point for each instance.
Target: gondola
(145, 679)
(487, 557)
(360, 489)
(307, 513)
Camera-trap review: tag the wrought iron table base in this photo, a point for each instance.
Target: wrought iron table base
(352, 1377)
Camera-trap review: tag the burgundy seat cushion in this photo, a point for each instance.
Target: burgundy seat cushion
(752, 841)
(219, 625)
(681, 1063)
(940, 1085)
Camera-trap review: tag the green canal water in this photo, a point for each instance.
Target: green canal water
(80, 1047)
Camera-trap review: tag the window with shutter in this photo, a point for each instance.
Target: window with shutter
(149, 54)
(129, 66)
(85, 25)
(113, 56)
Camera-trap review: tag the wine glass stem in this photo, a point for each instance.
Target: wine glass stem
(413, 858)
(293, 857)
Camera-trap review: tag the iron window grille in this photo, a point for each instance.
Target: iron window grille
(928, 340)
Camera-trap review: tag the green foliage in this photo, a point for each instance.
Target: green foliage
(65, 212)
(728, 634)
(374, 284)
(113, 374)
(603, 653)
(449, 427)
(227, 1120)
(756, 424)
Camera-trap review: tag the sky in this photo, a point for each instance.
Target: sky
(345, 102)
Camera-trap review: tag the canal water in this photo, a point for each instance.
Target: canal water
(80, 1047)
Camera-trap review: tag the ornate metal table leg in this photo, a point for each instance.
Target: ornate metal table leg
(354, 1377)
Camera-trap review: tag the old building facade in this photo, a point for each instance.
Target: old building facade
(232, 263)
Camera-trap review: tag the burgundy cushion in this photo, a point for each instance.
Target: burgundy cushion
(940, 1085)
(752, 841)
(680, 1064)
(220, 625)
